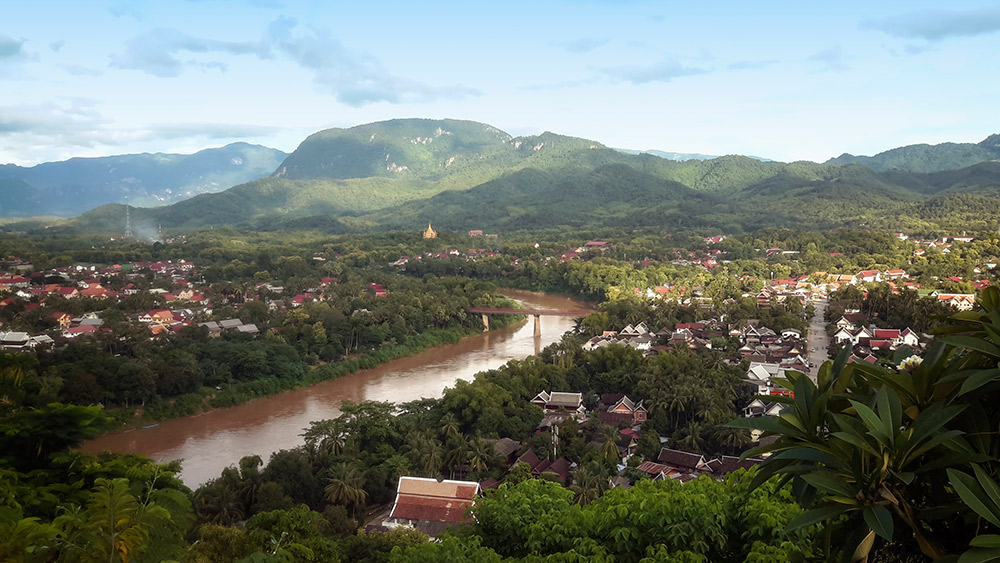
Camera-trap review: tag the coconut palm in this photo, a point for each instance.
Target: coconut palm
(457, 455)
(692, 437)
(345, 487)
(327, 438)
(450, 427)
(424, 452)
(219, 502)
(481, 454)
(431, 457)
(733, 440)
(609, 449)
(589, 483)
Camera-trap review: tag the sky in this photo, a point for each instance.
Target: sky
(782, 80)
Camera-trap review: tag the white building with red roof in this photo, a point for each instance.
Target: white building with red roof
(430, 505)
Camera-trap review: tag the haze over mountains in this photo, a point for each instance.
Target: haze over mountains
(462, 175)
(73, 186)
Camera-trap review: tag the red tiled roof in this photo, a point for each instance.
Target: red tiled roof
(653, 468)
(887, 333)
(433, 501)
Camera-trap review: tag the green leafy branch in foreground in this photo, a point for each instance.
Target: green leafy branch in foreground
(887, 455)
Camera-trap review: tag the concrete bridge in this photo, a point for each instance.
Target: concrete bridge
(537, 313)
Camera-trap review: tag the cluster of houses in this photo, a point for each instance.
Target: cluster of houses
(764, 346)
(470, 254)
(685, 466)
(758, 343)
(707, 258)
(944, 245)
(638, 337)
(851, 329)
(433, 505)
(189, 304)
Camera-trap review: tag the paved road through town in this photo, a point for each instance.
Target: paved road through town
(818, 339)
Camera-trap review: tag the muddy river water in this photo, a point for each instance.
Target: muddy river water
(210, 441)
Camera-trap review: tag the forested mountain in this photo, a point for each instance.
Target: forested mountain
(464, 175)
(928, 158)
(73, 186)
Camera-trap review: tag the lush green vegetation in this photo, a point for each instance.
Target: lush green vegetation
(899, 459)
(463, 175)
(929, 158)
(306, 503)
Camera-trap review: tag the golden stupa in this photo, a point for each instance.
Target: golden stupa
(430, 233)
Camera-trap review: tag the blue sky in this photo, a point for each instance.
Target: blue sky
(788, 81)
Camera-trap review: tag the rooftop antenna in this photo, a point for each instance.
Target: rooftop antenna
(128, 221)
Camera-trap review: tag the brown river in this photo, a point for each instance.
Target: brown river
(210, 441)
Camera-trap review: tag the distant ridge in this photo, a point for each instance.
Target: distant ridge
(683, 156)
(928, 158)
(73, 186)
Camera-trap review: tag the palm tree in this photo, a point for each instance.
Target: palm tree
(327, 438)
(481, 455)
(424, 451)
(431, 457)
(219, 502)
(116, 526)
(588, 484)
(734, 440)
(450, 427)
(457, 455)
(692, 437)
(345, 487)
(609, 449)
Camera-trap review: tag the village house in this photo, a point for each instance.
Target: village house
(760, 407)
(759, 376)
(15, 341)
(80, 330)
(617, 409)
(868, 276)
(560, 466)
(683, 462)
(960, 301)
(64, 319)
(561, 403)
(430, 505)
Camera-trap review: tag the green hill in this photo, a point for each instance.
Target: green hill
(928, 158)
(464, 175)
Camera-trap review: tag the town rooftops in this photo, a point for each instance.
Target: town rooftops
(430, 500)
(685, 461)
(558, 399)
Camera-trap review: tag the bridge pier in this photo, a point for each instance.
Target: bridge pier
(538, 326)
(486, 322)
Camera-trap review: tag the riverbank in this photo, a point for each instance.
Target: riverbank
(237, 393)
(211, 440)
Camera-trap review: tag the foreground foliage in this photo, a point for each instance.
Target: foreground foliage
(905, 455)
(700, 521)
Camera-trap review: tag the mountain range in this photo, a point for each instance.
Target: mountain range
(463, 175)
(73, 186)
(928, 158)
